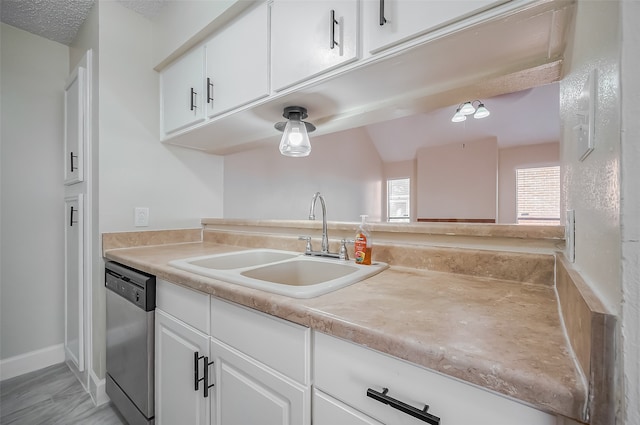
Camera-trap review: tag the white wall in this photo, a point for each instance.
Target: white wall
(344, 167)
(592, 188)
(513, 158)
(34, 72)
(178, 186)
(458, 180)
(630, 209)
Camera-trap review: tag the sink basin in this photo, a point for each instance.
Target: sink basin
(301, 272)
(280, 272)
(237, 260)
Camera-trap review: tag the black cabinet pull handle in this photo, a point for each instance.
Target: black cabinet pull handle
(193, 99)
(71, 222)
(209, 90)
(196, 373)
(196, 370)
(334, 22)
(71, 155)
(206, 377)
(403, 407)
(383, 20)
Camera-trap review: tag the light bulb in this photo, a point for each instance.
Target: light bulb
(295, 140)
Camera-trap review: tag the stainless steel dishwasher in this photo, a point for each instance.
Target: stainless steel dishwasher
(131, 301)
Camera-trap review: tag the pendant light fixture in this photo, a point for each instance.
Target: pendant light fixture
(467, 108)
(295, 140)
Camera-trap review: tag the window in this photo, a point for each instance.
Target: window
(398, 200)
(538, 195)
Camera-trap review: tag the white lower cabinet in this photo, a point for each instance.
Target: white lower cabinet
(177, 401)
(329, 411)
(346, 371)
(248, 392)
(251, 368)
(248, 367)
(261, 363)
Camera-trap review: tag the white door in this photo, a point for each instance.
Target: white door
(177, 401)
(238, 62)
(248, 392)
(182, 92)
(74, 112)
(311, 37)
(390, 22)
(73, 271)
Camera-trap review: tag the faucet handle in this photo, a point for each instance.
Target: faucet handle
(344, 254)
(308, 248)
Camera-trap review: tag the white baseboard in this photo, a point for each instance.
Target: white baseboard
(32, 361)
(97, 389)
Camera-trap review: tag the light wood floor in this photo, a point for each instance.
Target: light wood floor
(51, 396)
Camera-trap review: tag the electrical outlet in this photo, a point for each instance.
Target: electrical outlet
(141, 217)
(570, 236)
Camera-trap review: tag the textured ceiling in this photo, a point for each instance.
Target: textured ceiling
(59, 20)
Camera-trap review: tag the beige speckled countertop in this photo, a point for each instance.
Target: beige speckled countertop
(500, 335)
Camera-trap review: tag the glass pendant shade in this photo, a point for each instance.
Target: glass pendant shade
(295, 140)
(467, 109)
(458, 117)
(481, 112)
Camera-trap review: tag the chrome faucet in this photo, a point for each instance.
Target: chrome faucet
(312, 216)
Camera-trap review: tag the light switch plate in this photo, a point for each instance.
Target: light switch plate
(141, 216)
(570, 236)
(585, 129)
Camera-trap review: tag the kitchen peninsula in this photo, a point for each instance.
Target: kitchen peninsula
(487, 314)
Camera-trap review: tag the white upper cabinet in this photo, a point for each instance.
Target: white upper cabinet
(74, 110)
(311, 37)
(237, 57)
(182, 90)
(391, 22)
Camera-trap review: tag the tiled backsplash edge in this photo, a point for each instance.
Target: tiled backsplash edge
(514, 266)
(150, 237)
(591, 331)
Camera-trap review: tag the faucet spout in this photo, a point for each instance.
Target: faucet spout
(312, 216)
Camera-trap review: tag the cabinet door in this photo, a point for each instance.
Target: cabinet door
(248, 392)
(74, 110)
(311, 37)
(74, 282)
(182, 90)
(329, 411)
(237, 62)
(347, 371)
(177, 401)
(390, 22)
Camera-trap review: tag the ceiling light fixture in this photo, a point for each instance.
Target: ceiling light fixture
(295, 140)
(467, 108)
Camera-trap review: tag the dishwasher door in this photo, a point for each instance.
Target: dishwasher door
(130, 345)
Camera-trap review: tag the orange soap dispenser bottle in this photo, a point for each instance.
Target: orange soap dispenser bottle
(363, 243)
